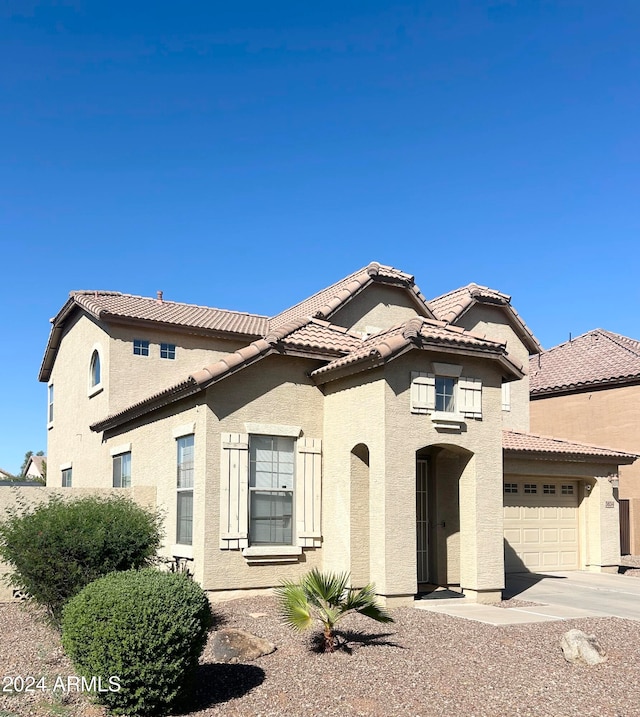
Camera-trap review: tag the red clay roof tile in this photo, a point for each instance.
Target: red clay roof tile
(451, 306)
(530, 443)
(593, 359)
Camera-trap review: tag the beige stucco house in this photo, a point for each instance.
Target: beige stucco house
(588, 389)
(363, 429)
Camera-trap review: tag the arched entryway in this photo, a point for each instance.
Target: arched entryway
(359, 546)
(439, 470)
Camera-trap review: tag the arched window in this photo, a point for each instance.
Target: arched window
(95, 369)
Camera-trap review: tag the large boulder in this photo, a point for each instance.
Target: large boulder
(233, 645)
(578, 647)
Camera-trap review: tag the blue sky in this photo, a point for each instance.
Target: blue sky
(246, 154)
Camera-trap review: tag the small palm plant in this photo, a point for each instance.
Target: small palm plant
(325, 598)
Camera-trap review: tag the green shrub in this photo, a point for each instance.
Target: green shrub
(58, 547)
(147, 628)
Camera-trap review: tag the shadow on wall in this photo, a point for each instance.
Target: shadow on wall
(519, 578)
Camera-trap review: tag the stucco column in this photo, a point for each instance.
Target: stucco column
(602, 526)
(481, 529)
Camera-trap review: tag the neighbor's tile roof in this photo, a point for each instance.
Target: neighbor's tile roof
(325, 302)
(530, 443)
(452, 305)
(114, 305)
(596, 358)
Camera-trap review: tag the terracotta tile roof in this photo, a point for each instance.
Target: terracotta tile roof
(454, 304)
(418, 332)
(113, 305)
(322, 336)
(530, 443)
(596, 358)
(327, 301)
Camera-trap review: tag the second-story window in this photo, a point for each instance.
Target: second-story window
(94, 369)
(140, 347)
(167, 351)
(50, 403)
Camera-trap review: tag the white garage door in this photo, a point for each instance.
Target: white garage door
(540, 524)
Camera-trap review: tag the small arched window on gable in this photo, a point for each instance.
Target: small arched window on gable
(95, 373)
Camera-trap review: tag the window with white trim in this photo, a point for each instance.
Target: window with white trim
(122, 470)
(185, 471)
(167, 351)
(140, 347)
(446, 394)
(271, 480)
(506, 396)
(567, 489)
(530, 488)
(50, 404)
(548, 489)
(94, 370)
(510, 487)
(270, 492)
(67, 477)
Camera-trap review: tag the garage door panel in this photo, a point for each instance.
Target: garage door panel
(541, 528)
(550, 536)
(530, 535)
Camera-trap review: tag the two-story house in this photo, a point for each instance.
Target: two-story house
(588, 389)
(363, 429)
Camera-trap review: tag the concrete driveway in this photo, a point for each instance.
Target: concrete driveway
(616, 595)
(557, 596)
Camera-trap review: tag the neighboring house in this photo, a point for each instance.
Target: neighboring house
(5, 475)
(588, 389)
(363, 429)
(36, 467)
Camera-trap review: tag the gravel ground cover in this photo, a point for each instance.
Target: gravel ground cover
(424, 664)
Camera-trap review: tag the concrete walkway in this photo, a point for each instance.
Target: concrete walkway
(560, 596)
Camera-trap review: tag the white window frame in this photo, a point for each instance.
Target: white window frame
(506, 395)
(184, 485)
(50, 399)
(95, 388)
(143, 347)
(117, 459)
(168, 351)
(290, 491)
(66, 470)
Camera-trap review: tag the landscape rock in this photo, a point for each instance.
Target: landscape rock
(580, 648)
(232, 645)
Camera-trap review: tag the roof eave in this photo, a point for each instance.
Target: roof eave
(567, 389)
(614, 459)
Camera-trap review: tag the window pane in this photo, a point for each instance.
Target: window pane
(140, 347)
(66, 478)
(445, 388)
(271, 518)
(184, 533)
(95, 369)
(122, 471)
(271, 462)
(168, 351)
(185, 461)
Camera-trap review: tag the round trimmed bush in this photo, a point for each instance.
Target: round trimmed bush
(147, 628)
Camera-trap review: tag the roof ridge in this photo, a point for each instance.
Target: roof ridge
(90, 294)
(613, 337)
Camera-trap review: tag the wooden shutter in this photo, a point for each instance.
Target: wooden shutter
(423, 392)
(470, 397)
(234, 491)
(308, 492)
